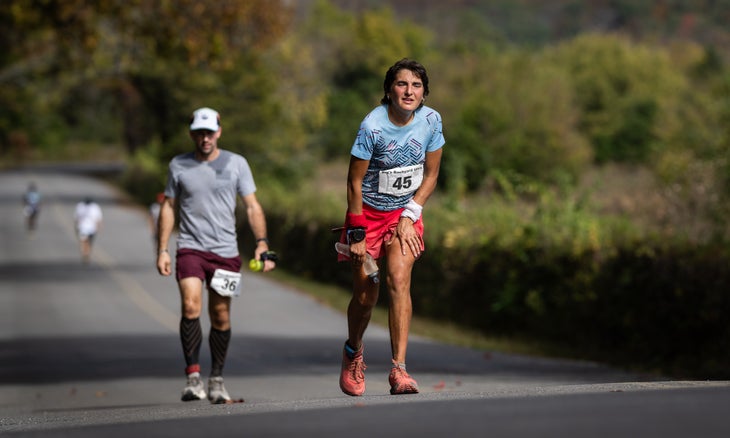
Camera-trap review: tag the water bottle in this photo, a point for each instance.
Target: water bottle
(371, 267)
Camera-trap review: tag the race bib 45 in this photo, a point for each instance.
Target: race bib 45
(401, 180)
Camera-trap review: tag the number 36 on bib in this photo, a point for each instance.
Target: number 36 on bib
(401, 180)
(226, 283)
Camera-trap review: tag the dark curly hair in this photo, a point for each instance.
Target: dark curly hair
(407, 64)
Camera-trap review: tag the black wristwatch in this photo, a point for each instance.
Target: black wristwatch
(355, 235)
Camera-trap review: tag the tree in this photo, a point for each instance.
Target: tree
(148, 55)
(354, 52)
(515, 115)
(626, 92)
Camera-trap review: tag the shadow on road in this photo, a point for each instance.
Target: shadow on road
(93, 358)
(51, 272)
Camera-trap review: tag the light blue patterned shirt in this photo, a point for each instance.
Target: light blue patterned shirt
(388, 146)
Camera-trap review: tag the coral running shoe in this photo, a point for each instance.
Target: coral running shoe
(400, 381)
(352, 376)
(194, 388)
(217, 393)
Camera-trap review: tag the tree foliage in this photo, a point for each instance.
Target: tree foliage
(515, 114)
(354, 53)
(148, 56)
(627, 95)
(292, 89)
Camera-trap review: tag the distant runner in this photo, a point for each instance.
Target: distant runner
(154, 215)
(87, 218)
(31, 206)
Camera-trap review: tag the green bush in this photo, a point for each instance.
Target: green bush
(144, 176)
(559, 276)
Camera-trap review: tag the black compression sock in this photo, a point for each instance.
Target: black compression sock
(191, 337)
(219, 340)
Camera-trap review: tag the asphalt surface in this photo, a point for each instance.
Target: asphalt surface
(93, 350)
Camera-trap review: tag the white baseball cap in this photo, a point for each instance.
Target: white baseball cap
(205, 118)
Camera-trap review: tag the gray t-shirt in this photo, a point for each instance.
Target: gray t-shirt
(206, 194)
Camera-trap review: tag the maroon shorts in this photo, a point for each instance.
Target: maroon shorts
(202, 264)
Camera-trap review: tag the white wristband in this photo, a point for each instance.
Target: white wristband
(412, 211)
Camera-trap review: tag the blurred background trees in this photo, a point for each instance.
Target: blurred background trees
(587, 165)
(527, 92)
(622, 107)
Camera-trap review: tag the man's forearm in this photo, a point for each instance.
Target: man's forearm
(165, 224)
(257, 221)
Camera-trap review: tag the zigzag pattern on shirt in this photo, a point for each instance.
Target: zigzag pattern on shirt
(403, 156)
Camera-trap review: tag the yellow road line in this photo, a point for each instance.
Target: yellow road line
(127, 283)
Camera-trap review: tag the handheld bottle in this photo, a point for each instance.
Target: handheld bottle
(370, 265)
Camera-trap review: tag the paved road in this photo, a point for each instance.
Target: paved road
(93, 350)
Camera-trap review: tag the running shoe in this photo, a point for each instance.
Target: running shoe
(217, 393)
(194, 389)
(401, 382)
(352, 376)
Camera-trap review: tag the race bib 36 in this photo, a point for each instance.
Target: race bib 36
(226, 283)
